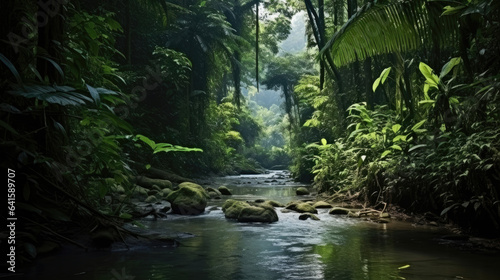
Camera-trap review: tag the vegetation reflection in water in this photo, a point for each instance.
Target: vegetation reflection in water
(333, 248)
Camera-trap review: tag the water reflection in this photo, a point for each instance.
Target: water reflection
(332, 248)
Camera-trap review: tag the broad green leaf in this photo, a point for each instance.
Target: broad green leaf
(396, 147)
(323, 141)
(385, 153)
(427, 71)
(449, 66)
(418, 125)
(95, 95)
(126, 216)
(449, 10)
(11, 67)
(399, 138)
(396, 128)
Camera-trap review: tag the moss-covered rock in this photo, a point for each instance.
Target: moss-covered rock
(301, 207)
(118, 189)
(139, 192)
(149, 182)
(307, 216)
(339, 211)
(189, 199)
(216, 191)
(165, 192)
(244, 212)
(322, 204)
(274, 203)
(232, 208)
(151, 199)
(262, 213)
(302, 191)
(224, 190)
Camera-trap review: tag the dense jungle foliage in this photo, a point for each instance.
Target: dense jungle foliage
(394, 100)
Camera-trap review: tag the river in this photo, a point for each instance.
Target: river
(336, 247)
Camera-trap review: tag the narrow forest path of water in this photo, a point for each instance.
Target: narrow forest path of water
(335, 247)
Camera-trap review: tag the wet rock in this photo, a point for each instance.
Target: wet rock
(301, 207)
(260, 200)
(118, 189)
(165, 192)
(307, 216)
(217, 192)
(214, 195)
(244, 212)
(262, 214)
(302, 191)
(156, 187)
(274, 203)
(382, 221)
(151, 199)
(139, 192)
(322, 204)
(213, 208)
(149, 183)
(164, 209)
(189, 199)
(339, 211)
(232, 208)
(224, 190)
(152, 192)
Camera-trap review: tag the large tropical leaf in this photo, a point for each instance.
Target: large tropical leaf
(62, 95)
(381, 27)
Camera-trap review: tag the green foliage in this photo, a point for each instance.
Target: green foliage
(164, 147)
(391, 27)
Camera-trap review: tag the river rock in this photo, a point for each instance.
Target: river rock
(301, 207)
(307, 216)
(189, 199)
(262, 213)
(224, 190)
(322, 204)
(232, 208)
(274, 203)
(244, 212)
(302, 191)
(118, 189)
(165, 192)
(149, 183)
(217, 192)
(151, 199)
(139, 191)
(339, 211)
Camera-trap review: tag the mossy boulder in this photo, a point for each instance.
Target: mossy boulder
(165, 192)
(262, 213)
(301, 207)
(232, 208)
(339, 211)
(224, 190)
(306, 216)
(189, 199)
(151, 199)
(274, 203)
(302, 191)
(216, 191)
(149, 182)
(244, 212)
(118, 189)
(322, 204)
(139, 191)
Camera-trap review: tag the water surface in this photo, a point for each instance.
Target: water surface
(335, 247)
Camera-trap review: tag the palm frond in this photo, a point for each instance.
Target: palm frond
(380, 27)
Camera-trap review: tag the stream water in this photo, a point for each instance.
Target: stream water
(336, 247)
